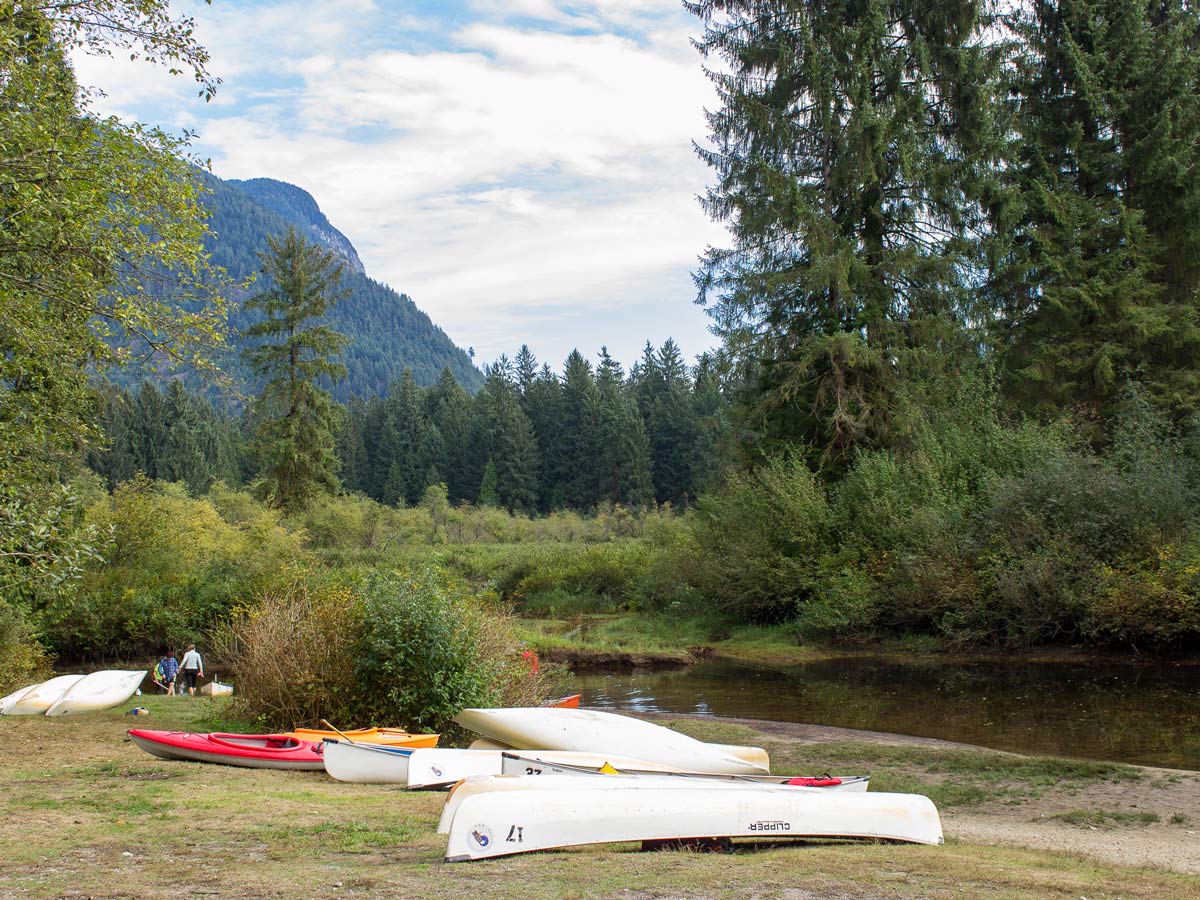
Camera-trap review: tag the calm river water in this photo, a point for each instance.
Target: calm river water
(1138, 714)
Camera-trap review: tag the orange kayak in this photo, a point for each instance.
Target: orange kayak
(387, 737)
(569, 702)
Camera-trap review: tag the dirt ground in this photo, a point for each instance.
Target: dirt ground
(1167, 794)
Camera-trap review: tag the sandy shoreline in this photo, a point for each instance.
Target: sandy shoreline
(1169, 794)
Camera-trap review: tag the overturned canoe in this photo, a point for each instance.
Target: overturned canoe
(100, 690)
(387, 737)
(601, 733)
(35, 699)
(255, 751)
(482, 784)
(526, 764)
(754, 755)
(499, 823)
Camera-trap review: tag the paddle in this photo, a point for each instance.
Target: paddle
(339, 733)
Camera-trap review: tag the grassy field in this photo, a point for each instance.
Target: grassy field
(87, 814)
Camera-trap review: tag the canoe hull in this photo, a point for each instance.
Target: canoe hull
(497, 823)
(440, 767)
(37, 698)
(366, 763)
(98, 691)
(183, 745)
(592, 731)
(603, 785)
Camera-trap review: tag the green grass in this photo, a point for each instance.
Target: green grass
(1101, 818)
(84, 813)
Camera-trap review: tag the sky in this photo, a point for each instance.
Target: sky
(522, 169)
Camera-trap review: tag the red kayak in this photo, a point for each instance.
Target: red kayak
(569, 702)
(256, 751)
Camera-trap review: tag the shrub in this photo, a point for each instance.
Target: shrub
(409, 649)
(1155, 603)
(420, 655)
(758, 540)
(22, 659)
(293, 652)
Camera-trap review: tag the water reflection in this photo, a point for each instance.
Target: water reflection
(1140, 714)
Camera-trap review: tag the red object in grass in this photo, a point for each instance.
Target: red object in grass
(530, 657)
(814, 782)
(256, 751)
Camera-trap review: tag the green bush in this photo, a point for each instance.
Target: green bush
(404, 649)
(22, 659)
(758, 542)
(177, 566)
(418, 655)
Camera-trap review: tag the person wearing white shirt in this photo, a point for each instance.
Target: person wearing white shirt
(192, 668)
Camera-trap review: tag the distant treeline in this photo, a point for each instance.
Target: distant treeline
(530, 441)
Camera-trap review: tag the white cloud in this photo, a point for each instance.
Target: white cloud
(497, 177)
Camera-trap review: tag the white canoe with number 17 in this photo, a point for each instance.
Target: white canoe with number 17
(501, 822)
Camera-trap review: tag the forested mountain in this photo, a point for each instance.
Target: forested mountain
(388, 333)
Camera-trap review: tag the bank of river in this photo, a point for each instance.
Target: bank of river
(1143, 714)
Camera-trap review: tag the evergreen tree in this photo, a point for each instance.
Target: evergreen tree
(525, 369)
(1098, 284)
(580, 441)
(400, 460)
(352, 448)
(448, 408)
(542, 403)
(513, 455)
(624, 461)
(848, 149)
(295, 442)
(488, 493)
(183, 455)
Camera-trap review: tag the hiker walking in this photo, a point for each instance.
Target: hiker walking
(193, 668)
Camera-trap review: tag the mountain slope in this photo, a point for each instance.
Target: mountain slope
(387, 332)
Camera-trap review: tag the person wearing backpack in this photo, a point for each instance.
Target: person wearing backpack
(193, 668)
(168, 668)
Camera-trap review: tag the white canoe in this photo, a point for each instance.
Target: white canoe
(439, 767)
(512, 763)
(37, 698)
(499, 823)
(602, 733)
(754, 755)
(482, 784)
(100, 690)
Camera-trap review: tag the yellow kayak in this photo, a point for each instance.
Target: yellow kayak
(388, 737)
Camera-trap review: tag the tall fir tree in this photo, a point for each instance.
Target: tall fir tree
(624, 451)
(1098, 283)
(295, 443)
(579, 424)
(184, 457)
(849, 150)
(448, 407)
(542, 403)
(401, 461)
(511, 446)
